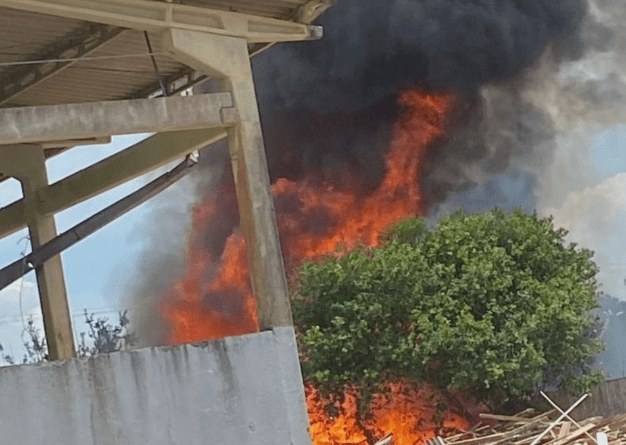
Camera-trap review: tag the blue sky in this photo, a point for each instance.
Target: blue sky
(610, 152)
(98, 269)
(95, 269)
(610, 160)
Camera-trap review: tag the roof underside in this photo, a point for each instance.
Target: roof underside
(279, 9)
(26, 36)
(113, 63)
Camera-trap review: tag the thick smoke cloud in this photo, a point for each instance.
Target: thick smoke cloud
(333, 102)
(376, 48)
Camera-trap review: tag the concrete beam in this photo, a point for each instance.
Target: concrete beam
(313, 9)
(151, 153)
(101, 119)
(227, 59)
(161, 16)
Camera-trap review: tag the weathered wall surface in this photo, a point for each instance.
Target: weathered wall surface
(236, 391)
(608, 399)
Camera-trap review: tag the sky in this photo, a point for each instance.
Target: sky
(97, 268)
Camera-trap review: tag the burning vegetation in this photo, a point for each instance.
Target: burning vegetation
(410, 416)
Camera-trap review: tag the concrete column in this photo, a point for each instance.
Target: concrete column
(27, 164)
(227, 58)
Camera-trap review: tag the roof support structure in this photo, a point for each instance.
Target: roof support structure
(312, 10)
(153, 152)
(92, 224)
(216, 43)
(98, 119)
(159, 16)
(227, 59)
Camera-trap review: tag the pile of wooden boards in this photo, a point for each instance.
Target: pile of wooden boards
(550, 428)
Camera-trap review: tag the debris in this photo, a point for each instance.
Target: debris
(554, 427)
(385, 440)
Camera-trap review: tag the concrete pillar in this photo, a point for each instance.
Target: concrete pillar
(227, 58)
(27, 164)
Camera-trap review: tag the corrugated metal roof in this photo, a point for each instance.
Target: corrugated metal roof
(26, 36)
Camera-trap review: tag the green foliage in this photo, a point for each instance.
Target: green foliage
(490, 302)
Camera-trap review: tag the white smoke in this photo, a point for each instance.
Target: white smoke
(596, 218)
(581, 99)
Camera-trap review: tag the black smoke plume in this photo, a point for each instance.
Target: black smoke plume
(332, 103)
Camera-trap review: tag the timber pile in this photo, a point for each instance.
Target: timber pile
(550, 428)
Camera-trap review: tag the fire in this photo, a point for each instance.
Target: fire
(349, 219)
(407, 414)
(198, 308)
(214, 298)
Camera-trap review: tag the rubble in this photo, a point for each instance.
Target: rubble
(553, 427)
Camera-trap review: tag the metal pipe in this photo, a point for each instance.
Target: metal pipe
(92, 224)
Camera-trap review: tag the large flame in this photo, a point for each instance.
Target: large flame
(214, 298)
(349, 219)
(409, 415)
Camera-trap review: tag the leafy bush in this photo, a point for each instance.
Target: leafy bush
(494, 303)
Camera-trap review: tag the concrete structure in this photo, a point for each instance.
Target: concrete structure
(80, 71)
(51, 103)
(238, 391)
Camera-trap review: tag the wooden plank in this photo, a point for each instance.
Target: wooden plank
(504, 436)
(506, 418)
(564, 430)
(572, 435)
(553, 424)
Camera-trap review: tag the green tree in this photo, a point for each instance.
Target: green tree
(495, 303)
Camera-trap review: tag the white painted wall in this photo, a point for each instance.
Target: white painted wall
(236, 391)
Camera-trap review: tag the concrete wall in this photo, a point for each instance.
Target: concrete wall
(608, 399)
(237, 391)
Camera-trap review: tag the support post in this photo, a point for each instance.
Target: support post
(27, 164)
(227, 58)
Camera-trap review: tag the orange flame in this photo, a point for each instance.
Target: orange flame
(354, 220)
(214, 298)
(407, 414)
(198, 308)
